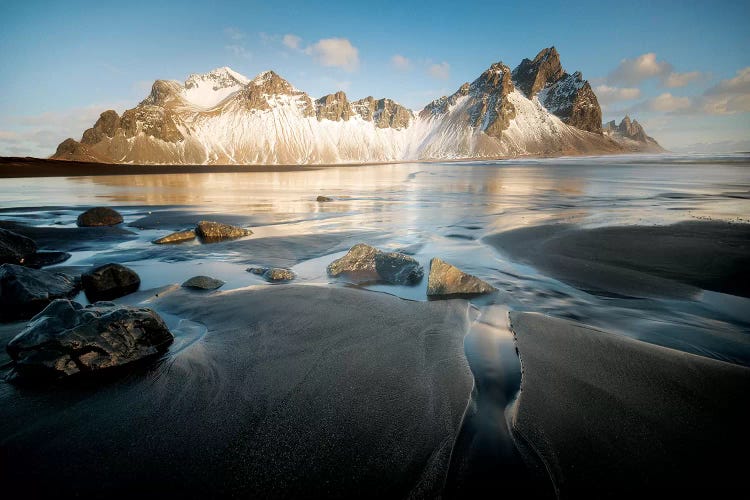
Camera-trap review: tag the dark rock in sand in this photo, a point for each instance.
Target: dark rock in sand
(66, 339)
(99, 216)
(273, 274)
(178, 237)
(203, 283)
(366, 263)
(43, 259)
(323, 198)
(24, 291)
(293, 392)
(614, 417)
(14, 248)
(448, 280)
(210, 232)
(109, 281)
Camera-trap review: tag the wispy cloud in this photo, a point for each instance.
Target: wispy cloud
(335, 52)
(400, 62)
(239, 51)
(291, 41)
(237, 46)
(440, 71)
(234, 33)
(608, 95)
(675, 80)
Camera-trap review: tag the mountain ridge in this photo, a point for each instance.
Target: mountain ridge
(224, 117)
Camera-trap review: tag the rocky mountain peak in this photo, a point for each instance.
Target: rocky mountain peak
(631, 130)
(162, 92)
(497, 78)
(532, 76)
(218, 78)
(333, 107)
(385, 113)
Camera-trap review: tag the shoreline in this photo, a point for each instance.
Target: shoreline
(14, 167)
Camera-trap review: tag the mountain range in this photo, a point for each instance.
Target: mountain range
(223, 117)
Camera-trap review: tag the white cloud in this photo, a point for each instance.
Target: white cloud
(728, 96)
(291, 41)
(335, 52)
(234, 33)
(667, 102)
(441, 71)
(738, 85)
(400, 62)
(674, 80)
(634, 71)
(607, 94)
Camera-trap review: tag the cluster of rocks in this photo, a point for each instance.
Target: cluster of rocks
(273, 274)
(207, 232)
(364, 263)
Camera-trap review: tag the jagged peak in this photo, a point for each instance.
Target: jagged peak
(223, 76)
(271, 83)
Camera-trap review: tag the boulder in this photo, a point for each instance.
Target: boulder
(203, 283)
(210, 232)
(25, 291)
(178, 237)
(446, 280)
(43, 259)
(273, 274)
(322, 198)
(67, 339)
(14, 248)
(366, 263)
(99, 216)
(109, 281)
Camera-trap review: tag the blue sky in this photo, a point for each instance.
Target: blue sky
(675, 66)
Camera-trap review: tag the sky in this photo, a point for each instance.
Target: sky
(682, 69)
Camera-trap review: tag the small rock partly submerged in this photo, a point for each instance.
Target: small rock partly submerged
(211, 232)
(178, 237)
(203, 283)
(273, 274)
(366, 263)
(322, 198)
(66, 339)
(109, 281)
(99, 216)
(446, 280)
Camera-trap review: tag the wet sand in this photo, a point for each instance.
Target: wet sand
(638, 261)
(618, 418)
(293, 391)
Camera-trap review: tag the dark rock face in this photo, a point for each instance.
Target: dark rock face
(99, 216)
(24, 291)
(14, 248)
(366, 263)
(633, 135)
(211, 232)
(569, 97)
(70, 149)
(334, 107)
(447, 280)
(532, 76)
(66, 339)
(386, 113)
(203, 283)
(109, 281)
(254, 95)
(273, 274)
(323, 199)
(105, 126)
(489, 108)
(178, 237)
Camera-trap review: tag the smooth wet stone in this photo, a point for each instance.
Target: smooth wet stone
(178, 237)
(99, 216)
(367, 263)
(273, 274)
(66, 339)
(447, 280)
(25, 291)
(210, 232)
(109, 281)
(322, 198)
(14, 248)
(203, 283)
(43, 259)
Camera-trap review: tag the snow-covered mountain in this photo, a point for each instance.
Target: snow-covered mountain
(223, 117)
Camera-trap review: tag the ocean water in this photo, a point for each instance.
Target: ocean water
(428, 210)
